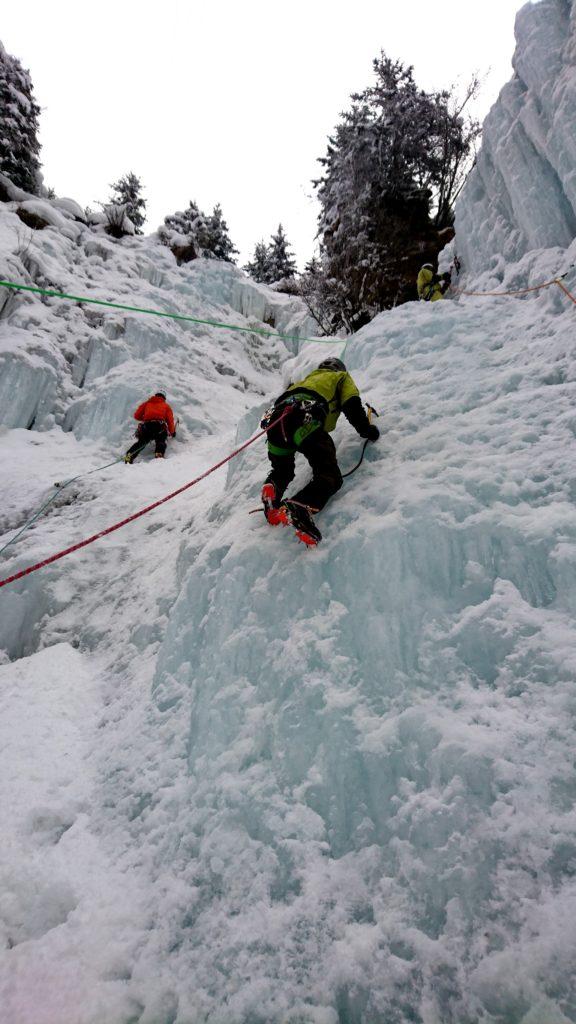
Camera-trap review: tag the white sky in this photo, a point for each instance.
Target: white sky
(227, 101)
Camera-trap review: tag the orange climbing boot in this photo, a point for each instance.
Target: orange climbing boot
(269, 501)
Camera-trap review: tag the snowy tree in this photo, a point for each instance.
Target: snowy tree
(127, 192)
(190, 234)
(188, 222)
(19, 146)
(391, 173)
(313, 266)
(272, 262)
(117, 222)
(259, 268)
(216, 242)
(325, 297)
(280, 258)
(184, 232)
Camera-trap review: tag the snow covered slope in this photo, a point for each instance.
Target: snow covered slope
(521, 195)
(253, 783)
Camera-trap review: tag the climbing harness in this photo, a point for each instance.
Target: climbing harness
(312, 410)
(371, 412)
(136, 515)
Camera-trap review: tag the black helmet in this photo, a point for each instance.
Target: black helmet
(332, 363)
(159, 394)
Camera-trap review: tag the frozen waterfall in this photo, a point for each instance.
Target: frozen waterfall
(247, 783)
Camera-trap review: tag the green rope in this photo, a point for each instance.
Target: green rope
(158, 312)
(30, 521)
(59, 487)
(90, 471)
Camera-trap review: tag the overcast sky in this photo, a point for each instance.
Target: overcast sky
(226, 101)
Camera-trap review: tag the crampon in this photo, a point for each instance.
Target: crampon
(292, 513)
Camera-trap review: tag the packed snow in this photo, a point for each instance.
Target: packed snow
(249, 783)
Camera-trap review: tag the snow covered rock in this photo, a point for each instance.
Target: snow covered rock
(11, 192)
(41, 213)
(71, 208)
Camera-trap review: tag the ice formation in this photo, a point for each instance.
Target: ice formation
(521, 195)
(245, 783)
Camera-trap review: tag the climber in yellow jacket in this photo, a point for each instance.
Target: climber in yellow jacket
(431, 286)
(311, 409)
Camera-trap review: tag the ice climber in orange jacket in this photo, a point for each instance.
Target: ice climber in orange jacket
(156, 422)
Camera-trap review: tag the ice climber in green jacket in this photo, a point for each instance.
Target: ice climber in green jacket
(431, 286)
(312, 408)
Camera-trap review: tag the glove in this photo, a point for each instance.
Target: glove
(173, 435)
(374, 433)
(446, 276)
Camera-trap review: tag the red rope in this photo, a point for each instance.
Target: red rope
(142, 512)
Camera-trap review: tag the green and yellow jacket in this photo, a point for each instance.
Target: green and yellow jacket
(339, 393)
(429, 286)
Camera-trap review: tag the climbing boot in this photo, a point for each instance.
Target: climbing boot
(128, 459)
(158, 455)
(293, 513)
(269, 501)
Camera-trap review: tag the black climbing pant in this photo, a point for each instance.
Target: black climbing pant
(318, 448)
(150, 430)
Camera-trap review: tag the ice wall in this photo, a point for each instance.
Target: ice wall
(521, 194)
(84, 368)
(367, 789)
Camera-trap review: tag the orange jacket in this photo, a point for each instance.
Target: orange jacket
(156, 408)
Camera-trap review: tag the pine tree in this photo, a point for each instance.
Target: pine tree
(19, 112)
(259, 268)
(280, 258)
(216, 243)
(190, 234)
(188, 222)
(391, 172)
(313, 267)
(325, 297)
(127, 191)
(184, 232)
